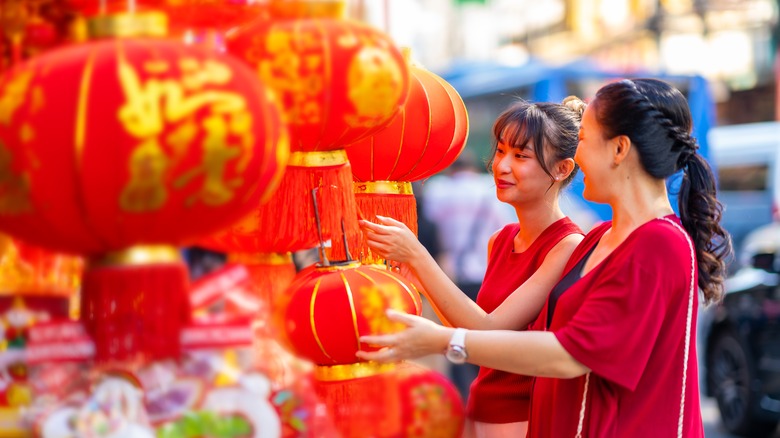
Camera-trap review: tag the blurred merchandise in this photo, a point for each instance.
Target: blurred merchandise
(401, 400)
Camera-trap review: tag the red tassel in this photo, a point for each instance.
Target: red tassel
(402, 208)
(362, 399)
(289, 214)
(135, 310)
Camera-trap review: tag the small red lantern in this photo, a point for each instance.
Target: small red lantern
(402, 400)
(164, 142)
(338, 81)
(328, 308)
(424, 139)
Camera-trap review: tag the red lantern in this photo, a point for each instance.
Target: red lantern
(401, 400)
(424, 139)
(163, 143)
(328, 308)
(338, 81)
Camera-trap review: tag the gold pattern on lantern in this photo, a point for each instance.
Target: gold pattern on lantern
(26, 133)
(38, 100)
(376, 299)
(14, 187)
(431, 406)
(154, 104)
(146, 189)
(14, 95)
(374, 80)
(296, 74)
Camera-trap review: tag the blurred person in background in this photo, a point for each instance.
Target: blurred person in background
(532, 162)
(611, 349)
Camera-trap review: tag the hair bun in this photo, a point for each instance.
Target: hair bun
(575, 104)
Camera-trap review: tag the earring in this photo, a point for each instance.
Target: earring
(557, 178)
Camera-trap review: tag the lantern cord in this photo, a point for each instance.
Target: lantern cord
(344, 236)
(323, 257)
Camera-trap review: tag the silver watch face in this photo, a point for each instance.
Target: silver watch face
(456, 354)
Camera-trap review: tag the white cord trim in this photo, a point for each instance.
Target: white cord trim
(688, 323)
(582, 407)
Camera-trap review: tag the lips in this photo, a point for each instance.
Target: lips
(501, 184)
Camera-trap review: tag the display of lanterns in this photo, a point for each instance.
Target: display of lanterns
(192, 135)
(338, 81)
(428, 135)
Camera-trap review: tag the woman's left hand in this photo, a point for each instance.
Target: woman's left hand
(422, 338)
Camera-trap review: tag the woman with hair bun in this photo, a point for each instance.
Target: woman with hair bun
(614, 346)
(532, 162)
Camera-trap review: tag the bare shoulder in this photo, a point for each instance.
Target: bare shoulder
(567, 245)
(492, 240)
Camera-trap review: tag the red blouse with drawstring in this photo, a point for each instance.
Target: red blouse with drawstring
(497, 396)
(627, 320)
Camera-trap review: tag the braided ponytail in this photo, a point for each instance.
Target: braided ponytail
(700, 212)
(656, 117)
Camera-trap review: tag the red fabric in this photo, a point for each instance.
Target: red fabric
(626, 321)
(498, 396)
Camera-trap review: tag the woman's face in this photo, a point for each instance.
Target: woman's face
(518, 175)
(593, 157)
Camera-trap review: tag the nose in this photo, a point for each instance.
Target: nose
(500, 165)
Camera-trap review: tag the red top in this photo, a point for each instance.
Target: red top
(498, 396)
(626, 320)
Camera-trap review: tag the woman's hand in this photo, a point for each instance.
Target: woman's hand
(392, 240)
(422, 338)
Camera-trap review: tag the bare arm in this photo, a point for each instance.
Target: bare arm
(393, 240)
(530, 353)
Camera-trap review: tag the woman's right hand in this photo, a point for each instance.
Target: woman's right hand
(392, 240)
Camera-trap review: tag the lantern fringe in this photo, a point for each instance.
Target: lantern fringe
(289, 214)
(402, 208)
(366, 406)
(135, 312)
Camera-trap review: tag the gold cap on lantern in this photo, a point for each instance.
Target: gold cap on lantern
(308, 8)
(139, 255)
(125, 25)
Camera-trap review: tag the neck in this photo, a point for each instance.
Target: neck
(642, 200)
(534, 219)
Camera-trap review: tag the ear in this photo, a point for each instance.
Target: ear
(563, 169)
(621, 145)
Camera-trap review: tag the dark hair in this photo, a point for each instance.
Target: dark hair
(656, 118)
(552, 127)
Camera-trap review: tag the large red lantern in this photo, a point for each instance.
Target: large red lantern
(326, 309)
(338, 81)
(162, 143)
(424, 139)
(399, 400)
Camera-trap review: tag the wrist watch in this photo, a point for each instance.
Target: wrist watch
(456, 351)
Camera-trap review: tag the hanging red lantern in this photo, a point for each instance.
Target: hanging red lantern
(428, 135)
(327, 308)
(402, 400)
(338, 81)
(164, 143)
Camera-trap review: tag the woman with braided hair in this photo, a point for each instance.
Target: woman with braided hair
(614, 347)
